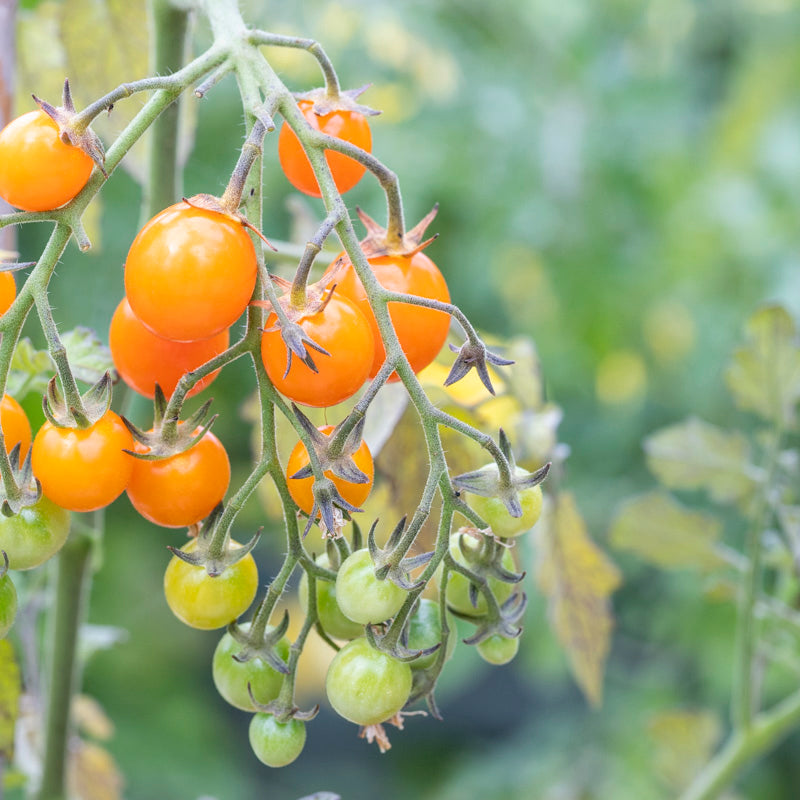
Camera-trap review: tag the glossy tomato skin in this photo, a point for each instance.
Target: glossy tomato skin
(493, 511)
(498, 650)
(301, 489)
(83, 469)
(361, 596)
(16, 428)
(425, 630)
(144, 359)
(8, 604)
(38, 172)
(421, 331)
(8, 291)
(347, 125)
(333, 621)
(274, 743)
(232, 677)
(342, 330)
(366, 686)
(190, 273)
(203, 602)
(183, 489)
(34, 535)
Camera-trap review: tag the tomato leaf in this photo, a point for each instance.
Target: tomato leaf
(764, 376)
(31, 369)
(662, 532)
(92, 773)
(88, 357)
(697, 455)
(577, 578)
(9, 698)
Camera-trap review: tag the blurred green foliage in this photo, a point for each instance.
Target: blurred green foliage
(619, 179)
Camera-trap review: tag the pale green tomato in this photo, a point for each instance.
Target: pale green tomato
(361, 596)
(495, 514)
(498, 650)
(335, 623)
(276, 744)
(425, 630)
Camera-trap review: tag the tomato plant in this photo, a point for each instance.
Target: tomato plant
(361, 596)
(343, 124)
(16, 428)
(34, 535)
(274, 743)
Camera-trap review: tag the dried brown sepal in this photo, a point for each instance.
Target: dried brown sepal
(376, 243)
(83, 138)
(208, 202)
(324, 103)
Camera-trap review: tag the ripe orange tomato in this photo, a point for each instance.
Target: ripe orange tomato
(190, 273)
(301, 488)
(16, 428)
(38, 172)
(144, 359)
(83, 469)
(183, 489)
(344, 332)
(421, 331)
(348, 125)
(8, 291)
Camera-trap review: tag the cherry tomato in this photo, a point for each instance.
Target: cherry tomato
(341, 329)
(421, 331)
(301, 488)
(366, 686)
(84, 469)
(335, 623)
(493, 511)
(183, 489)
(16, 428)
(498, 650)
(144, 359)
(361, 596)
(35, 534)
(203, 602)
(38, 172)
(190, 273)
(8, 605)
(347, 125)
(232, 677)
(274, 743)
(425, 630)
(8, 291)
(458, 584)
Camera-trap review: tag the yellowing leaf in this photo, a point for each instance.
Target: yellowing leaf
(697, 455)
(662, 532)
(577, 578)
(684, 742)
(92, 773)
(9, 698)
(764, 376)
(90, 718)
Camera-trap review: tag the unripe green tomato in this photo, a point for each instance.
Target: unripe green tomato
(231, 677)
(493, 511)
(458, 585)
(276, 744)
(8, 604)
(498, 650)
(335, 623)
(35, 534)
(425, 630)
(361, 596)
(366, 686)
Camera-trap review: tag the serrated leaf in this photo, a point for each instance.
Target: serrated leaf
(662, 532)
(764, 376)
(577, 579)
(683, 743)
(31, 369)
(697, 455)
(9, 698)
(88, 357)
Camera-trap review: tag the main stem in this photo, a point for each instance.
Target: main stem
(71, 592)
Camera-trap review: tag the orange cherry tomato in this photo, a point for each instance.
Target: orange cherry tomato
(348, 125)
(16, 428)
(301, 488)
(144, 359)
(181, 490)
(421, 331)
(190, 273)
(38, 172)
(83, 469)
(8, 291)
(344, 332)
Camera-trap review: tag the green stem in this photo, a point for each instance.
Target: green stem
(72, 586)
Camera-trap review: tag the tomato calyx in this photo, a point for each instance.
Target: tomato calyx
(390, 561)
(474, 354)
(503, 622)
(325, 101)
(260, 642)
(81, 137)
(379, 241)
(84, 411)
(229, 209)
(29, 488)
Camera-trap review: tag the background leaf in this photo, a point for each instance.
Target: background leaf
(89, 358)
(9, 698)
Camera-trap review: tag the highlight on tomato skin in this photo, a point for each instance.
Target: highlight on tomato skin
(39, 172)
(143, 358)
